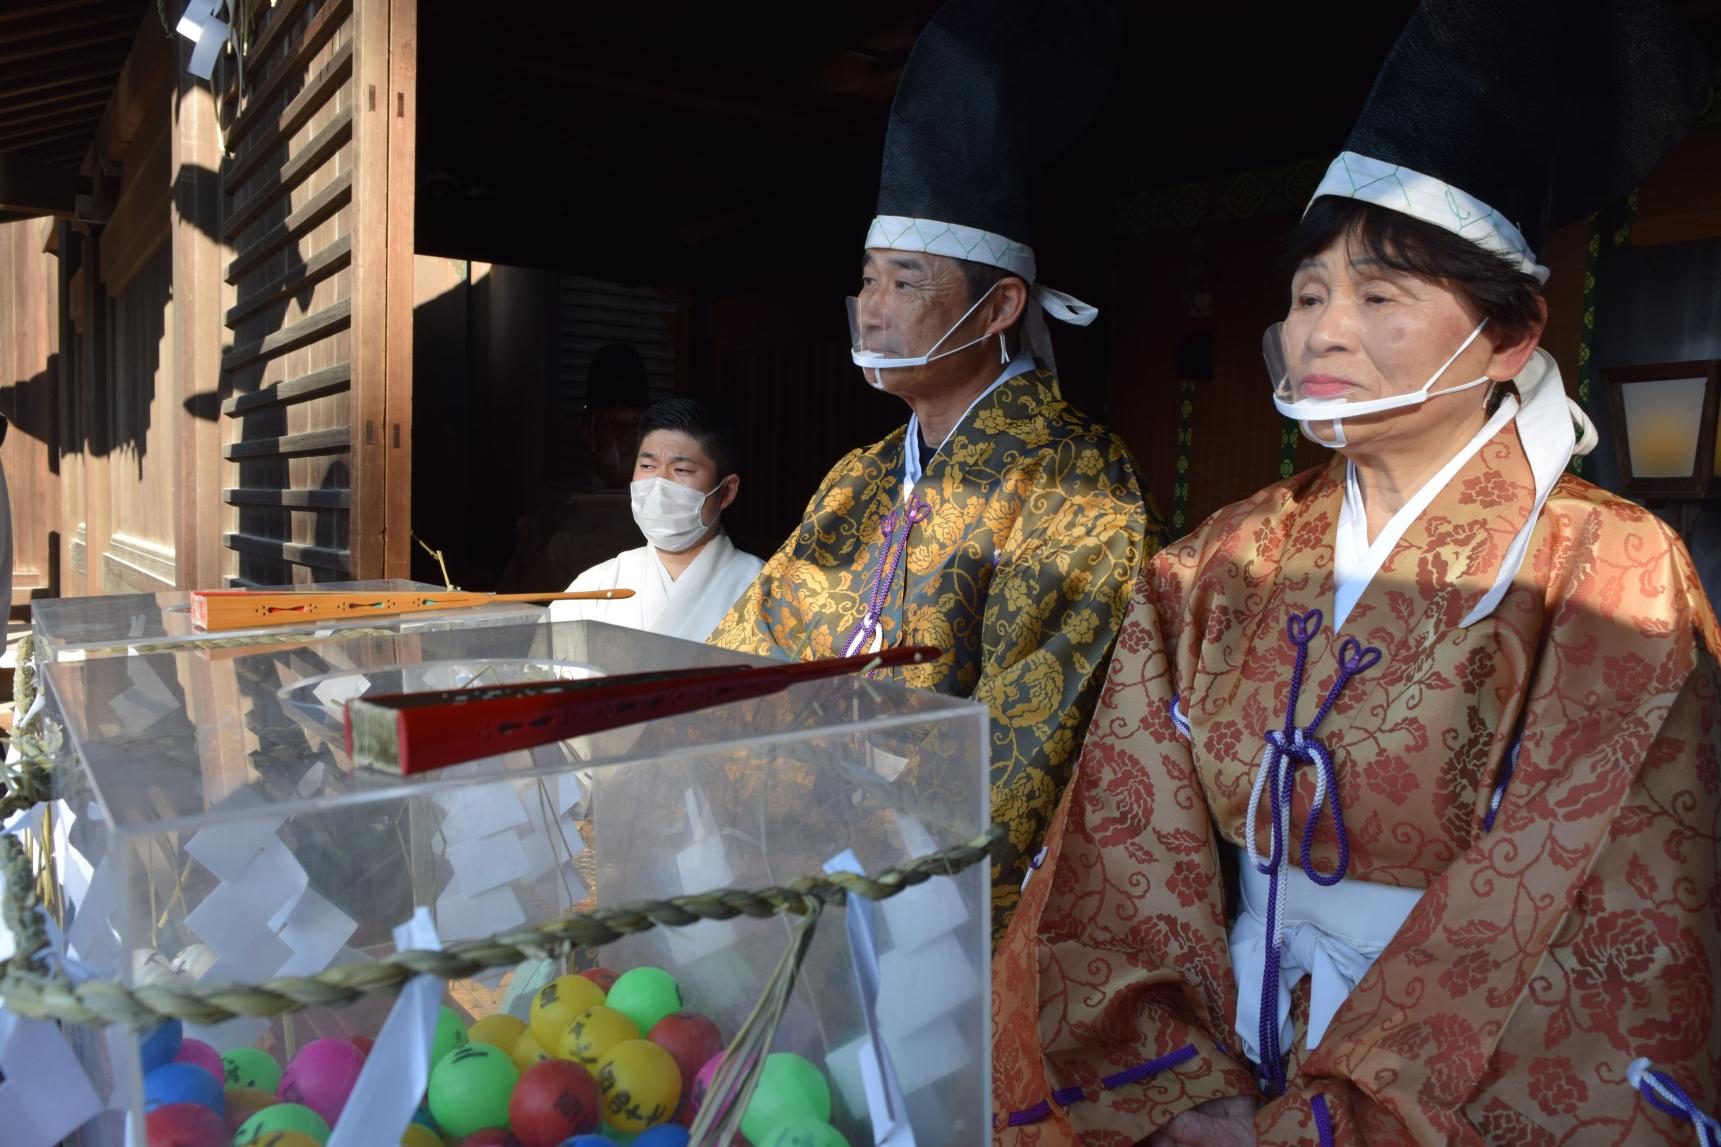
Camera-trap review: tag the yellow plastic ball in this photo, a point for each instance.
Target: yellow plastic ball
(640, 1083)
(418, 1135)
(244, 1102)
(557, 1003)
(527, 1051)
(591, 1035)
(500, 1030)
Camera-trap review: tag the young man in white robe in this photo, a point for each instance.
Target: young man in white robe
(689, 573)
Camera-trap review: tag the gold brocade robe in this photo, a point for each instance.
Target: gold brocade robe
(1547, 953)
(1020, 575)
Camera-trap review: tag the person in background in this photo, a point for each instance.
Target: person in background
(572, 522)
(689, 573)
(1000, 525)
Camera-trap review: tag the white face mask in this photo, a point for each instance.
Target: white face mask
(670, 515)
(1335, 410)
(874, 361)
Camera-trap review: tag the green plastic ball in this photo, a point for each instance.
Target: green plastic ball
(470, 1088)
(283, 1117)
(450, 1034)
(789, 1088)
(249, 1067)
(805, 1132)
(645, 995)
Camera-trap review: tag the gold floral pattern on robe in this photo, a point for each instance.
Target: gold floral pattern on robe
(1038, 529)
(1545, 955)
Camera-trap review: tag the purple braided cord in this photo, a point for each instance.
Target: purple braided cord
(1323, 1120)
(890, 560)
(1499, 798)
(1687, 1112)
(1069, 1096)
(1289, 748)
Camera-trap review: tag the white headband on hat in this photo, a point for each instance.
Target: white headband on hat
(902, 233)
(1394, 186)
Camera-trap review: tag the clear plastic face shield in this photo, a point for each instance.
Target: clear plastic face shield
(872, 362)
(1335, 409)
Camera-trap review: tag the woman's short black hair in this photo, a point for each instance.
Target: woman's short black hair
(1509, 298)
(705, 424)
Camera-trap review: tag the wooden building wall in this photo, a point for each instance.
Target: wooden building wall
(213, 384)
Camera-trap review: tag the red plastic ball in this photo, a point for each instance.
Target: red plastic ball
(602, 977)
(690, 1038)
(555, 1100)
(186, 1125)
(490, 1137)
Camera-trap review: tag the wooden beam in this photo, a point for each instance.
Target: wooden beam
(290, 499)
(95, 38)
(320, 557)
(336, 441)
(402, 113)
(316, 209)
(73, 94)
(312, 328)
(368, 405)
(142, 217)
(330, 380)
(28, 185)
(325, 86)
(328, 261)
(79, 129)
(316, 152)
(56, 123)
(76, 66)
(146, 80)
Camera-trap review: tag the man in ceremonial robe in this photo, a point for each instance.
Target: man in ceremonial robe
(1001, 525)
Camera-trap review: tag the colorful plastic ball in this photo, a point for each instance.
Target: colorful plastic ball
(490, 1137)
(602, 977)
(450, 1034)
(161, 1045)
(248, 1067)
(527, 1051)
(183, 1083)
(588, 1141)
(619, 1137)
(557, 1003)
(805, 1132)
(554, 1100)
(418, 1135)
(640, 1083)
(592, 1033)
(691, 1038)
(663, 1135)
(702, 1081)
(244, 1102)
(283, 1117)
(186, 1125)
(282, 1139)
(204, 1056)
(469, 1089)
(789, 1088)
(645, 995)
(363, 1042)
(322, 1075)
(500, 1030)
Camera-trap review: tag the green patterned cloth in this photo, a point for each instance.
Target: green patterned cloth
(1037, 530)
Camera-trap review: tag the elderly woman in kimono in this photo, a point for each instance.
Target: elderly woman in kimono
(1398, 818)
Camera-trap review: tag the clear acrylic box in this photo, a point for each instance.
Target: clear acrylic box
(213, 829)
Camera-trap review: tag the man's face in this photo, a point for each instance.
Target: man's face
(676, 456)
(908, 301)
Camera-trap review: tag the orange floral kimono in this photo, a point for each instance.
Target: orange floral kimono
(1549, 776)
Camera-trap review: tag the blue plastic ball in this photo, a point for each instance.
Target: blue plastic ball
(161, 1045)
(423, 1115)
(663, 1135)
(183, 1083)
(588, 1141)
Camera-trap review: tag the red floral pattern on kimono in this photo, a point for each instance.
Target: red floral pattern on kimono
(1544, 956)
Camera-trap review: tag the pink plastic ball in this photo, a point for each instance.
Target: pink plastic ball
(322, 1075)
(204, 1056)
